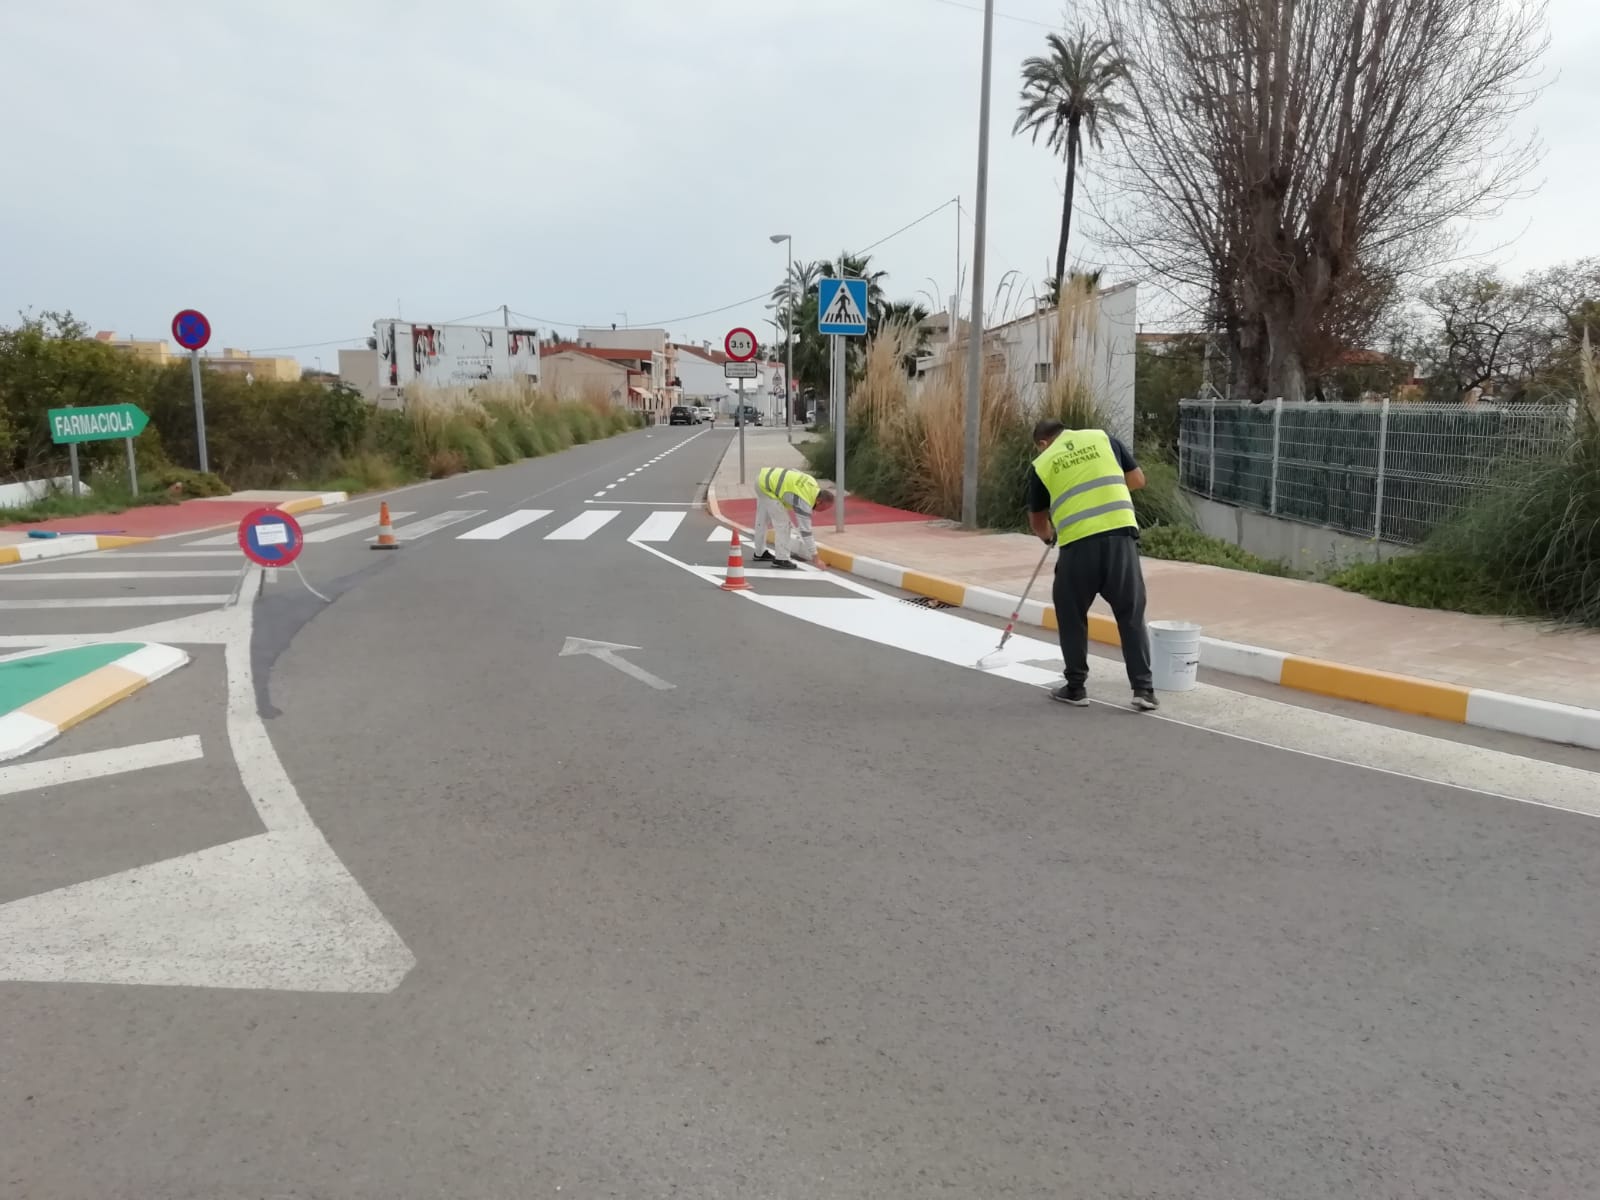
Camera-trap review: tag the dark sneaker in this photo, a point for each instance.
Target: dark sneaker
(784, 564)
(1074, 694)
(1145, 702)
(764, 556)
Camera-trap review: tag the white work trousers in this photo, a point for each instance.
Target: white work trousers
(774, 516)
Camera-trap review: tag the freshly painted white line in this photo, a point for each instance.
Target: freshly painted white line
(610, 487)
(1262, 721)
(76, 768)
(583, 525)
(510, 523)
(69, 576)
(649, 503)
(659, 527)
(465, 495)
(721, 534)
(599, 494)
(370, 521)
(115, 602)
(422, 528)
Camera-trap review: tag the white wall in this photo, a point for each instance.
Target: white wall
(702, 381)
(624, 339)
(17, 495)
(1105, 346)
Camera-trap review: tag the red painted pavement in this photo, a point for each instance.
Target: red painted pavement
(856, 512)
(156, 520)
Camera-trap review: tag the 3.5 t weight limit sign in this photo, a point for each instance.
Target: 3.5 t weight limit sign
(741, 347)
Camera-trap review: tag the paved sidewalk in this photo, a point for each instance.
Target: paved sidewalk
(1300, 618)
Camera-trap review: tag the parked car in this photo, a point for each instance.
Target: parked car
(703, 414)
(681, 414)
(747, 415)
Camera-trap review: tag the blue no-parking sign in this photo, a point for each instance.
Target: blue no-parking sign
(271, 537)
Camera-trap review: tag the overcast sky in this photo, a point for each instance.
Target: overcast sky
(297, 169)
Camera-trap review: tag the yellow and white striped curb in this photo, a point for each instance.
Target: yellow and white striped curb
(82, 543)
(43, 720)
(308, 503)
(1477, 707)
(59, 547)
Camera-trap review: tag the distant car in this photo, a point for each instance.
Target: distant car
(681, 415)
(703, 414)
(748, 415)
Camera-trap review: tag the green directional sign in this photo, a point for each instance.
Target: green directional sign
(101, 424)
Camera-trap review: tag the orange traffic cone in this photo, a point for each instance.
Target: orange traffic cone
(386, 539)
(735, 581)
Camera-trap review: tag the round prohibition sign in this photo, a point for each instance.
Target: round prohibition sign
(191, 330)
(740, 345)
(271, 537)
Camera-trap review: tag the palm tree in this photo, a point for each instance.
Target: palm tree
(1066, 95)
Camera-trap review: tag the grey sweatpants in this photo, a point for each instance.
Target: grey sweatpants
(1105, 566)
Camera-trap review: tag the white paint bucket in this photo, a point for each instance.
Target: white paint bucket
(1174, 655)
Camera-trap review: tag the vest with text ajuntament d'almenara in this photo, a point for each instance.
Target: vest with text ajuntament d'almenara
(1088, 491)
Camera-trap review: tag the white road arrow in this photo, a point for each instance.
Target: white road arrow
(606, 652)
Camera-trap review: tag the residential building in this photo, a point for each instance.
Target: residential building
(242, 362)
(576, 372)
(699, 376)
(1102, 335)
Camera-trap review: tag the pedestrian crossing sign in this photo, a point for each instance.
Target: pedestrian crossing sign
(842, 307)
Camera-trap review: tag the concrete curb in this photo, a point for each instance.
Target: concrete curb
(43, 720)
(1476, 707)
(84, 543)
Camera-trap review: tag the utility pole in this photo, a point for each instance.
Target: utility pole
(969, 473)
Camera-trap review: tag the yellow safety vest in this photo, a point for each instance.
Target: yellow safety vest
(774, 482)
(1088, 491)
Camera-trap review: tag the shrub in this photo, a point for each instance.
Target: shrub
(1192, 546)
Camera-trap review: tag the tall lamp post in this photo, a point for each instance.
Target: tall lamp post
(788, 337)
(969, 473)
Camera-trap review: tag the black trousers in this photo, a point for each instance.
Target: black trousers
(1106, 566)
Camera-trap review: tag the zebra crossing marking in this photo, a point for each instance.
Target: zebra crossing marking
(583, 525)
(499, 528)
(370, 521)
(422, 528)
(231, 538)
(659, 527)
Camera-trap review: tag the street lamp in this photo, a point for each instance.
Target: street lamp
(969, 473)
(788, 338)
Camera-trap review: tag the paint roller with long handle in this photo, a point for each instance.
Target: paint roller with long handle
(995, 658)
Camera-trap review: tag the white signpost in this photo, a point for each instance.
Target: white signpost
(841, 313)
(740, 346)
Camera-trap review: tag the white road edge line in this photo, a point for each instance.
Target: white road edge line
(1453, 750)
(98, 764)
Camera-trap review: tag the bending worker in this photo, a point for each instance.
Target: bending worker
(779, 493)
(1080, 496)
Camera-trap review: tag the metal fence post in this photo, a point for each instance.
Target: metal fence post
(1383, 452)
(1211, 480)
(1277, 424)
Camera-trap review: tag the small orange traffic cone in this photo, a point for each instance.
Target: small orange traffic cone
(386, 540)
(735, 581)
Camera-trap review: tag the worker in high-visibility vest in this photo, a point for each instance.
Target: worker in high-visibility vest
(781, 492)
(1080, 497)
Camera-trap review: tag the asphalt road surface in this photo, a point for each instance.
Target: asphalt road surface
(783, 905)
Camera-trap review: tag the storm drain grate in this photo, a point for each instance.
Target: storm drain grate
(926, 602)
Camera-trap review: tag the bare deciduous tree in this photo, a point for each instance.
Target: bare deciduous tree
(1290, 160)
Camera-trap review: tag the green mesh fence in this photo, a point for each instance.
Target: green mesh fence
(1333, 464)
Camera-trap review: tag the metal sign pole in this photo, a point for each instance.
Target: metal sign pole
(838, 433)
(199, 411)
(72, 454)
(741, 430)
(133, 469)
